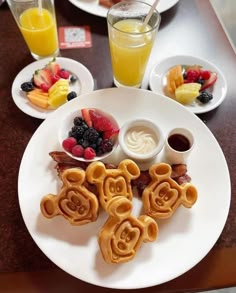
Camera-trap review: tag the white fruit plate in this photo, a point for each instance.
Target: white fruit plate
(157, 80)
(83, 85)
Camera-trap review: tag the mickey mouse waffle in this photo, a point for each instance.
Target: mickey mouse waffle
(112, 182)
(163, 195)
(74, 201)
(122, 234)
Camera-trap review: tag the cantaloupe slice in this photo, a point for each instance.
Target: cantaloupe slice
(174, 78)
(38, 98)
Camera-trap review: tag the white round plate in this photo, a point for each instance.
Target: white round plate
(184, 239)
(157, 80)
(85, 84)
(93, 6)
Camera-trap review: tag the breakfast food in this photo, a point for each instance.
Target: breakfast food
(188, 84)
(94, 133)
(112, 182)
(74, 201)
(49, 87)
(122, 234)
(163, 195)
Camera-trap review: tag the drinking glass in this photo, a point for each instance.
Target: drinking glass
(37, 22)
(130, 40)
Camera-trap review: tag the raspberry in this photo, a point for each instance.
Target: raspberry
(205, 74)
(64, 74)
(69, 143)
(192, 75)
(78, 151)
(89, 153)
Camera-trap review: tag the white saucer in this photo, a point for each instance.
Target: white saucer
(83, 85)
(219, 89)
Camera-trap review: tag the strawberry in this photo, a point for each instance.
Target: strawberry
(111, 133)
(55, 78)
(42, 76)
(100, 121)
(86, 116)
(53, 67)
(44, 87)
(210, 81)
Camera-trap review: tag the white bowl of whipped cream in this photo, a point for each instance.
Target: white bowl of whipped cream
(141, 139)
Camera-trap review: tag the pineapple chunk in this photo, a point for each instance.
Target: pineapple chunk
(58, 93)
(187, 93)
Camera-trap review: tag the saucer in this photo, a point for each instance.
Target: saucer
(83, 85)
(158, 77)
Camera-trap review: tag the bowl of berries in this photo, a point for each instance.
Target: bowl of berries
(88, 134)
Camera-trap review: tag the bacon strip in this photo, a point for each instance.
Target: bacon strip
(179, 172)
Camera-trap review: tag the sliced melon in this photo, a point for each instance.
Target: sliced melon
(38, 101)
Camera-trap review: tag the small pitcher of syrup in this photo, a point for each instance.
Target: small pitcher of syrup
(178, 145)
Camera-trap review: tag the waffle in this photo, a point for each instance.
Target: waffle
(74, 201)
(163, 195)
(122, 234)
(112, 182)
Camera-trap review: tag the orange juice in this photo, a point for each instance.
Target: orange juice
(39, 30)
(130, 47)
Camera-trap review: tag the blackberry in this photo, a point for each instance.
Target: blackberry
(205, 97)
(106, 146)
(27, 86)
(71, 96)
(78, 121)
(77, 132)
(91, 135)
(201, 81)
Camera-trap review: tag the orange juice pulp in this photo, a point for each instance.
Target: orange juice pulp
(40, 31)
(130, 52)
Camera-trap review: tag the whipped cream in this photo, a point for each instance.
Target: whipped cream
(140, 140)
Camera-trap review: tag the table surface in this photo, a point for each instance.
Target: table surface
(191, 28)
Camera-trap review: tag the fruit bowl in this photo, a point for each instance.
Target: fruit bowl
(88, 134)
(141, 139)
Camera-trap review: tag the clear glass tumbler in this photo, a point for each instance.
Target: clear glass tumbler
(37, 22)
(130, 40)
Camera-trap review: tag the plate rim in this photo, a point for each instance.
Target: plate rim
(104, 10)
(33, 112)
(153, 283)
(171, 58)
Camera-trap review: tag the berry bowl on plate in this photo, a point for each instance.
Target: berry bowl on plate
(88, 134)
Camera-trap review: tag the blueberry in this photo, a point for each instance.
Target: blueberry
(71, 96)
(73, 78)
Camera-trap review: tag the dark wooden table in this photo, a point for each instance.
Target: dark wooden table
(190, 27)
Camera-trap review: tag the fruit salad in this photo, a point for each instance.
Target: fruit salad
(94, 133)
(189, 84)
(49, 87)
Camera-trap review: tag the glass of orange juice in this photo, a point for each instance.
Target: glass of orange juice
(37, 22)
(130, 40)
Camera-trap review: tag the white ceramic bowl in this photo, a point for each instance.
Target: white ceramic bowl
(67, 123)
(141, 139)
